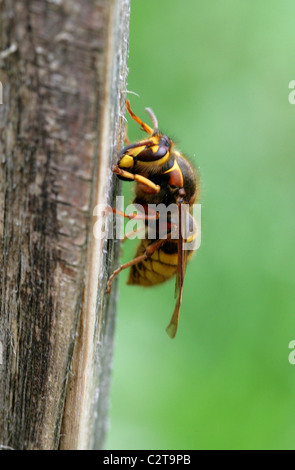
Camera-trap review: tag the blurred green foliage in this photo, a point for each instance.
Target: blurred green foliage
(216, 74)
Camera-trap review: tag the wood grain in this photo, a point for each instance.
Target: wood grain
(63, 71)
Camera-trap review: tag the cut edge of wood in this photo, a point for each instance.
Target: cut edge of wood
(78, 427)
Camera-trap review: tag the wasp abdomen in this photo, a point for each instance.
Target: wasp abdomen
(156, 269)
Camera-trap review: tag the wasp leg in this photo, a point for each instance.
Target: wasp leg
(129, 234)
(152, 215)
(153, 188)
(141, 143)
(148, 252)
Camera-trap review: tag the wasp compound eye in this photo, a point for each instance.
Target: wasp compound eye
(164, 140)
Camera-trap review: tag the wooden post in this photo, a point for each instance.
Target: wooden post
(63, 76)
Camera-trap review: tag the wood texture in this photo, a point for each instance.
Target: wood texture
(63, 71)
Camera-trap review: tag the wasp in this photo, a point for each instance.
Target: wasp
(162, 175)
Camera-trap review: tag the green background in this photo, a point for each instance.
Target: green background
(217, 75)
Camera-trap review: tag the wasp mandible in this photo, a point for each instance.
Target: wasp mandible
(162, 175)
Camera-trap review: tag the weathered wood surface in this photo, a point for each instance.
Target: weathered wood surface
(63, 71)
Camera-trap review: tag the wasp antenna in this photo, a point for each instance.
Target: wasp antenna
(153, 118)
(144, 126)
(132, 93)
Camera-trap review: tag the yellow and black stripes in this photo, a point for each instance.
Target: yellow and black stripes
(147, 153)
(175, 175)
(158, 268)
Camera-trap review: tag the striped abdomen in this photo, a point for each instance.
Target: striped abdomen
(158, 268)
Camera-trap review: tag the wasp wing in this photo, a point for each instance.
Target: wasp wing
(182, 257)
